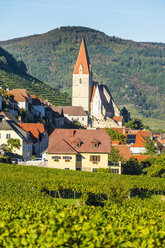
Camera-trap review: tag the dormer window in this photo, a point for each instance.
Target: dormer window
(77, 142)
(77, 145)
(95, 143)
(80, 69)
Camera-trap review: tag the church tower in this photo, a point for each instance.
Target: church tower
(82, 80)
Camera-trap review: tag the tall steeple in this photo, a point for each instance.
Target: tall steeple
(82, 79)
(82, 60)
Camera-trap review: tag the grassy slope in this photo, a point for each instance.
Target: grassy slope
(13, 76)
(133, 71)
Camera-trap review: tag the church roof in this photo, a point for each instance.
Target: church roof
(83, 60)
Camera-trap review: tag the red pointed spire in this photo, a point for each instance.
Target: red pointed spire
(82, 60)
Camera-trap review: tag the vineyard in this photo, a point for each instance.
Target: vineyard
(113, 215)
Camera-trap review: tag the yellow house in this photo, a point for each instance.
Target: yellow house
(79, 149)
(10, 129)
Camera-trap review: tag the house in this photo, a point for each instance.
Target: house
(8, 116)
(20, 98)
(79, 149)
(38, 107)
(124, 151)
(137, 141)
(38, 135)
(11, 129)
(73, 113)
(95, 98)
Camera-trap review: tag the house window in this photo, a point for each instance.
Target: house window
(0, 135)
(78, 169)
(77, 119)
(83, 119)
(80, 81)
(77, 145)
(8, 136)
(95, 158)
(95, 145)
(67, 158)
(66, 168)
(56, 157)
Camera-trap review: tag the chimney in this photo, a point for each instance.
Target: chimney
(72, 132)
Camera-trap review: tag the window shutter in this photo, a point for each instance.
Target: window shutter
(59, 157)
(70, 157)
(63, 157)
(91, 158)
(99, 158)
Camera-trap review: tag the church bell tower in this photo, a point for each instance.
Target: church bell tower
(82, 80)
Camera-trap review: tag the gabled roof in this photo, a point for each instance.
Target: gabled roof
(70, 110)
(82, 60)
(86, 136)
(121, 130)
(8, 116)
(34, 129)
(19, 95)
(12, 125)
(62, 147)
(139, 141)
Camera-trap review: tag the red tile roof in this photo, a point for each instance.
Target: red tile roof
(83, 59)
(121, 130)
(59, 136)
(19, 95)
(140, 157)
(93, 91)
(115, 142)
(145, 133)
(124, 151)
(34, 128)
(162, 141)
(140, 141)
(118, 118)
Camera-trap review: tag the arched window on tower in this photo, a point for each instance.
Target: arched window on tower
(80, 69)
(80, 80)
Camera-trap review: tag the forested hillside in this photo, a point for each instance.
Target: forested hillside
(13, 75)
(134, 72)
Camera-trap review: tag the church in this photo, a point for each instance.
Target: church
(95, 99)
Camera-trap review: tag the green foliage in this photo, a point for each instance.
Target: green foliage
(13, 144)
(157, 169)
(134, 124)
(115, 135)
(115, 155)
(29, 218)
(133, 71)
(150, 146)
(132, 167)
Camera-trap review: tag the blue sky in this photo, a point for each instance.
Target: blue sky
(138, 20)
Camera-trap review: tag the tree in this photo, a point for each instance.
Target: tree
(157, 169)
(13, 144)
(134, 124)
(115, 135)
(132, 167)
(150, 146)
(115, 155)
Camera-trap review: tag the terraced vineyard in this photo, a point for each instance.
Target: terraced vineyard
(29, 218)
(14, 77)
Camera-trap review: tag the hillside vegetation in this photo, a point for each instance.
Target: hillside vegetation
(13, 75)
(133, 71)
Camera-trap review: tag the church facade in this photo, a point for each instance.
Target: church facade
(96, 99)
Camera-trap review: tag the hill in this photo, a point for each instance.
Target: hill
(133, 71)
(13, 75)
